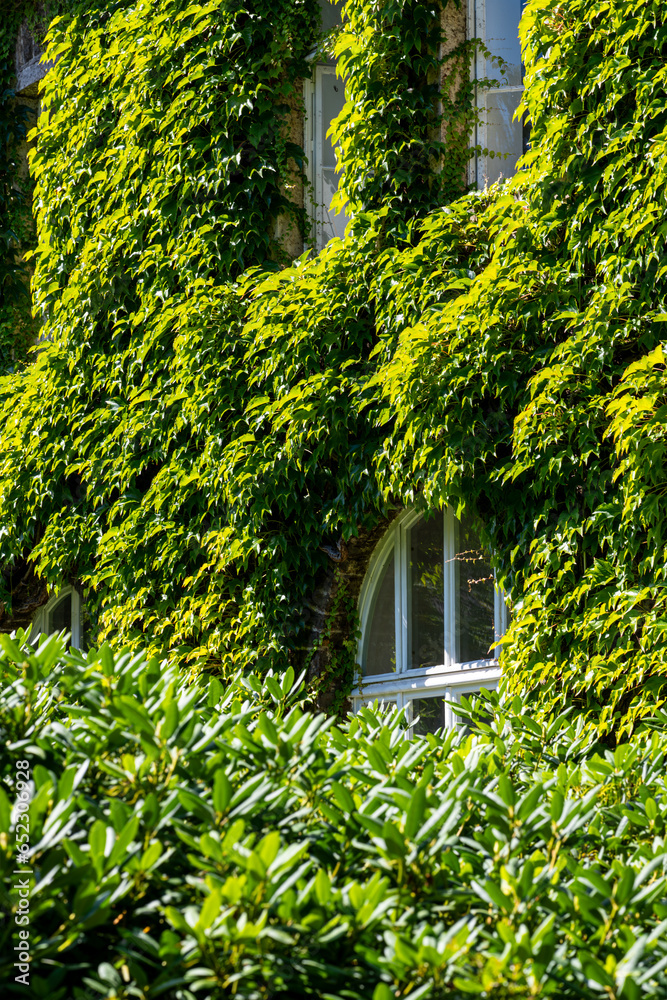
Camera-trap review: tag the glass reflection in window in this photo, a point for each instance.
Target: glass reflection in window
(381, 641)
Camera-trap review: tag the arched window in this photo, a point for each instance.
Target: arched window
(61, 613)
(430, 617)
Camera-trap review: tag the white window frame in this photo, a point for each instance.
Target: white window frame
(314, 134)
(476, 28)
(450, 679)
(40, 624)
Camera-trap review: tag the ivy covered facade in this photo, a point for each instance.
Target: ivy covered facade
(222, 428)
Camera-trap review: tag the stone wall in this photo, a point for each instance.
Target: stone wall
(453, 22)
(285, 230)
(329, 630)
(28, 53)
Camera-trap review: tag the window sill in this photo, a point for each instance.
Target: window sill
(475, 674)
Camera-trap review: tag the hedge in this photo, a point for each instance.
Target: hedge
(200, 841)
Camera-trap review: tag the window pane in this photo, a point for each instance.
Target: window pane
(503, 134)
(61, 616)
(331, 14)
(380, 652)
(431, 712)
(475, 598)
(502, 38)
(334, 224)
(333, 99)
(426, 591)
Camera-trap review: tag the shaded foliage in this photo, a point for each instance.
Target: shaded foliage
(202, 841)
(17, 327)
(196, 431)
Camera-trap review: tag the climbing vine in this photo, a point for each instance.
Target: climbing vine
(536, 395)
(181, 488)
(17, 236)
(404, 132)
(333, 659)
(203, 421)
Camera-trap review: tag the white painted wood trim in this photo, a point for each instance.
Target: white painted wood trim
(451, 583)
(40, 623)
(449, 679)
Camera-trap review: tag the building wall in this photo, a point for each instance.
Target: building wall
(453, 22)
(328, 624)
(285, 231)
(29, 68)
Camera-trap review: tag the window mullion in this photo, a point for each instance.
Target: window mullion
(450, 587)
(449, 717)
(403, 623)
(76, 621)
(500, 617)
